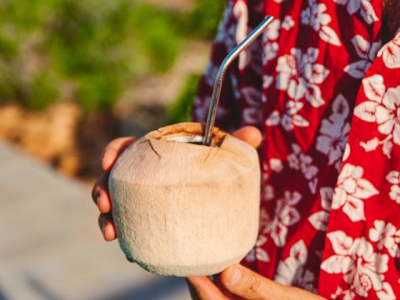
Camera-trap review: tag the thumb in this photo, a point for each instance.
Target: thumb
(250, 135)
(202, 288)
(250, 285)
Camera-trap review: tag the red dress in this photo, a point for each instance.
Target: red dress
(326, 96)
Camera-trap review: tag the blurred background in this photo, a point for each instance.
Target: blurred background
(75, 74)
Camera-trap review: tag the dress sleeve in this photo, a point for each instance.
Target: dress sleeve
(232, 109)
(366, 198)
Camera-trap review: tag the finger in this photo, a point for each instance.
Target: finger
(217, 280)
(113, 150)
(250, 135)
(250, 285)
(202, 288)
(100, 194)
(107, 227)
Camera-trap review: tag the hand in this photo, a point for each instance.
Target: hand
(100, 194)
(238, 282)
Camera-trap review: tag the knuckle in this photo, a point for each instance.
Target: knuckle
(100, 186)
(107, 150)
(254, 286)
(100, 223)
(103, 221)
(95, 193)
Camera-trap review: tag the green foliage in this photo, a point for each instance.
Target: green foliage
(42, 92)
(157, 34)
(25, 16)
(180, 110)
(98, 91)
(8, 47)
(8, 88)
(203, 20)
(101, 46)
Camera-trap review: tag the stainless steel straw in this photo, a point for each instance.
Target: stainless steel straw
(220, 76)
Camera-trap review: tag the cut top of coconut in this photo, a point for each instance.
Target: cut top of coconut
(192, 133)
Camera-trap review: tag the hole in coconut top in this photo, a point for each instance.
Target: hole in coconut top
(190, 139)
(190, 133)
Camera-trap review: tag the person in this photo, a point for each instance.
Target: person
(322, 86)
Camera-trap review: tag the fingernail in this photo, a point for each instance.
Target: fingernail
(234, 274)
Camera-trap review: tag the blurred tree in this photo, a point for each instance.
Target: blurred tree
(203, 20)
(98, 47)
(180, 110)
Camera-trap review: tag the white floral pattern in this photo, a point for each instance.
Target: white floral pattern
(210, 73)
(334, 132)
(320, 219)
(291, 271)
(315, 15)
(241, 13)
(288, 23)
(297, 160)
(270, 46)
(382, 107)
(394, 179)
(202, 113)
(366, 52)
(340, 293)
(258, 253)
(387, 236)
(362, 268)
(251, 113)
(388, 114)
(274, 165)
(351, 191)
(226, 33)
(299, 74)
(364, 6)
(308, 85)
(390, 53)
(290, 118)
(285, 215)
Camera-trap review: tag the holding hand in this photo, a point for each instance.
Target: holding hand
(238, 282)
(100, 194)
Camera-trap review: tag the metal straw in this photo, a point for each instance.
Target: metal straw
(220, 76)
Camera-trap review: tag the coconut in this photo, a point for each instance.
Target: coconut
(182, 208)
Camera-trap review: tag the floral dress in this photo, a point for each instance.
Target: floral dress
(326, 95)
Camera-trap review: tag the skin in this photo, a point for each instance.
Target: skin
(236, 282)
